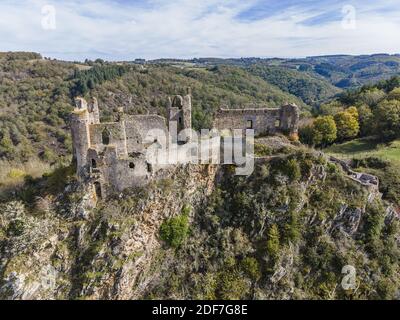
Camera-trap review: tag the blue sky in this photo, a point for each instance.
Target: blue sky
(124, 30)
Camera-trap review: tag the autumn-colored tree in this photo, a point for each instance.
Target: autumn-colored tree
(324, 130)
(347, 124)
(353, 111)
(394, 94)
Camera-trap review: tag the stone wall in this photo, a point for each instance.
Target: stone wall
(138, 129)
(116, 136)
(262, 120)
(113, 155)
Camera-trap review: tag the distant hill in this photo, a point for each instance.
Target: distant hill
(343, 71)
(352, 71)
(311, 88)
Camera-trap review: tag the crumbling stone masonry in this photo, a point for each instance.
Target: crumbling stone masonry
(112, 155)
(263, 121)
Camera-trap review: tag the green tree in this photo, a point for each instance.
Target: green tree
(251, 268)
(347, 124)
(371, 97)
(394, 94)
(387, 115)
(175, 230)
(366, 120)
(306, 134)
(324, 130)
(331, 108)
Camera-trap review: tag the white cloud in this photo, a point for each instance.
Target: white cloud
(190, 28)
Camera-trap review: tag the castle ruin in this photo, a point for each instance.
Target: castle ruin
(112, 155)
(263, 121)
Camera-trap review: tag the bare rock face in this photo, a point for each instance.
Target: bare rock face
(26, 267)
(347, 220)
(104, 252)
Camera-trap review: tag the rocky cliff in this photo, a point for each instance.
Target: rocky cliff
(284, 232)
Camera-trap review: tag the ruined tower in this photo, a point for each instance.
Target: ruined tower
(289, 118)
(180, 111)
(83, 115)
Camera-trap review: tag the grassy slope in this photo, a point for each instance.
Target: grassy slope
(363, 148)
(380, 160)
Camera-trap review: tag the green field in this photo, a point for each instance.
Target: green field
(363, 148)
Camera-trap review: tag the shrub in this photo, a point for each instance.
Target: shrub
(273, 241)
(264, 171)
(186, 210)
(16, 228)
(373, 228)
(292, 230)
(48, 155)
(175, 230)
(166, 185)
(261, 150)
(291, 169)
(16, 173)
(251, 268)
(59, 178)
(386, 289)
(232, 286)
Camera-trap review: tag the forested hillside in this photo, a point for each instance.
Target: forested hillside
(342, 71)
(312, 89)
(36, 96)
